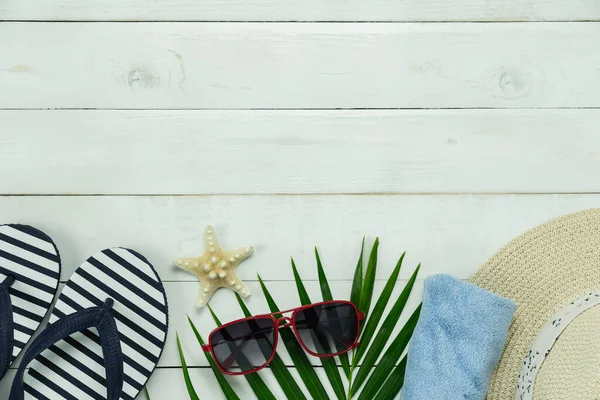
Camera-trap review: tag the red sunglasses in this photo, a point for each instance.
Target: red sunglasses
(247, 345)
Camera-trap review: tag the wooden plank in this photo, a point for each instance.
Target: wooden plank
(298, 10)
(241, 152)
(309, 65)
(448, 234)
(168, 383)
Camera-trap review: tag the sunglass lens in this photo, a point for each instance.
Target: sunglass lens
(327, 328)
(244, 345)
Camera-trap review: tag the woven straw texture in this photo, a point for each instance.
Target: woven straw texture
(542, 271)
(572, 369)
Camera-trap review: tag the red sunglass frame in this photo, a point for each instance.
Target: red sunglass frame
(288, 322)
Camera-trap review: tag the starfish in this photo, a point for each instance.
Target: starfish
(216, 268)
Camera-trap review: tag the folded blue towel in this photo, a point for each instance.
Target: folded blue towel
(457, 341)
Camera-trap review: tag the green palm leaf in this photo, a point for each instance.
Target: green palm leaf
(382, 337)
(302, 293)
(369, 283)
(214, 316)
(296, 352)
(373, 320)
(357, 282)
(329, 364)
(186, 374)
(325, 289)
(225, 386)
(388, 360)
(282, 374)
(393, 383)
(326, 293)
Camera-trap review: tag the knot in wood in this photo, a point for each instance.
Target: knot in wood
(142, 78)
(513, 83)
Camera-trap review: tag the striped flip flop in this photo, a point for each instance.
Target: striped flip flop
(29, 276)
(106, 333)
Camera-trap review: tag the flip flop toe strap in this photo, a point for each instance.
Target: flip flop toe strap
(100, 318)
(7, 329)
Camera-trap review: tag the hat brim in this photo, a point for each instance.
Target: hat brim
(542, 270)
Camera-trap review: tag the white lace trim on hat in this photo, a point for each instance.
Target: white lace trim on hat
(542, 345)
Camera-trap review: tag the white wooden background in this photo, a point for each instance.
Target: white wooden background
(444, 127)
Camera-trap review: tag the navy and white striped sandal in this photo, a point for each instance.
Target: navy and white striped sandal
(29, 276)
(107, 332)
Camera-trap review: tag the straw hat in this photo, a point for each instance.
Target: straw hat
(552, 273)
